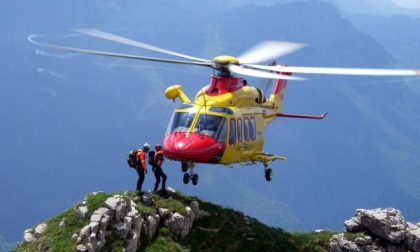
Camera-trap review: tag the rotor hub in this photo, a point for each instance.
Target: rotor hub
(226, 59)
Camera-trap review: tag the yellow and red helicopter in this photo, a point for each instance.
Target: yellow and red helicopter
(225, 123)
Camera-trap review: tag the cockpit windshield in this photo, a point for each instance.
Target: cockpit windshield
(180, 122)
(213, 126)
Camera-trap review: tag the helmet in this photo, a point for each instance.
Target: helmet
(158, 147)
(146, 146)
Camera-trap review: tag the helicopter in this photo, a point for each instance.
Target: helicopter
(225, 123)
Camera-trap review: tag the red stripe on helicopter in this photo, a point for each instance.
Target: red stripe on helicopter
(280, 84)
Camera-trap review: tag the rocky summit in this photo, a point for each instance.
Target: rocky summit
(377, 230)
(171, 221)
(165, 221)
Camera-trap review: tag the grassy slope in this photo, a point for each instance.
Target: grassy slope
(233, 234)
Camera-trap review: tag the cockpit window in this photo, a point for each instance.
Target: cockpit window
(180, 122)
(213, 126)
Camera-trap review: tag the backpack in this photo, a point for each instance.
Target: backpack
(132, 159)
(151, 159)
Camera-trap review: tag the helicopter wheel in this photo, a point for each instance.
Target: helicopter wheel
(195, 178)
(184, 166)
(268, 174)
(186, 178)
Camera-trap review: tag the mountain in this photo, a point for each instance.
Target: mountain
(4, 245)
(396, 33)
(157, 222)
(379, 8)
(71, 119)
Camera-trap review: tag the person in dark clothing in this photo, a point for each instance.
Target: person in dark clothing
(157, 168)
(141, 166)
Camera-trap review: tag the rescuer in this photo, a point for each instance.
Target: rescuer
(141, 167)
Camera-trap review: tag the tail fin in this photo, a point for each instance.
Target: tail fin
(277, 95)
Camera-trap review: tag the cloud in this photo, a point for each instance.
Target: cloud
(410, 4)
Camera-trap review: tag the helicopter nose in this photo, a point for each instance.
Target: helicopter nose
(193, 147)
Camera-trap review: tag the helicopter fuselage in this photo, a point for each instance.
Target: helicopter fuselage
(224, 125)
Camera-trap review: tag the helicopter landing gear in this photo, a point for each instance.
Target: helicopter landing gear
(268, 172)
(184, 166)
(191, 175)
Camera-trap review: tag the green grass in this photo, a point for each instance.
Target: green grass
(59, 239)
(172, 204)
(351, 236)
(165, 242)
(312, 242)
(56, 238)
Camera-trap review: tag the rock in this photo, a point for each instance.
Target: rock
(180, 225)
(189, 217)
(28, 236)
(163, 213)
(195, 207)
(81, 211)
(95, 218)
(103, 225)
(81, 248)
(388, 224)
(152, 223)
(101, 243)
(121, 229)
(132, 242)
(411, 226)
(62, 223)
(203, 213)
(133, 238)
(339, 243)
(210, 230)
(112, 203)
(74, 236)
(40, 229)
(101, 211)
(120, 211)
(247, 221)
(175, 224)
(170, 190)
(94, 227)
(146, 199)
(413, 239)
(84, 232)
(361, 241)
(92, 241)
(353, 225)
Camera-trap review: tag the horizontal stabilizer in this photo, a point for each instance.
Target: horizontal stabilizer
(266, 158)
(303, 116)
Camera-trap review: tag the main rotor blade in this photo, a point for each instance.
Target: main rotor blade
(261, 74)
(338, 71)
(268, 50)
(108, 36)
(112, 54)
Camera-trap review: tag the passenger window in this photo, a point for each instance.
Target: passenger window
(239, 130)
(252, 128)
(246, 129)
(232, 132)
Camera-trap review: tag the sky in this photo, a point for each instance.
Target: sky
(411, 4)
(80, 106)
